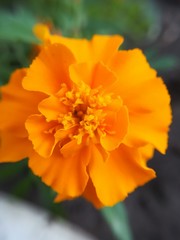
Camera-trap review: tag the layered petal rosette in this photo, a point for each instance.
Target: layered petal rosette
(87, 115)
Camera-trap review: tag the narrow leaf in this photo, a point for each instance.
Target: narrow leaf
(117, 219)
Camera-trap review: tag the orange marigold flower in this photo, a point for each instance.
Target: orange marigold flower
(87, 116)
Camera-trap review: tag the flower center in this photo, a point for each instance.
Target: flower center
(84, 111)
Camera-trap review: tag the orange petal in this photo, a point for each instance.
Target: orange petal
(104, 46)
(67, 176)
(51, 108)
(150, 128)
(147, 152)
(116, 129)
(132, 69)
(62, 197)
(101, 47)
(13, 148)
(115, 178)
(93, 74)
(146, 98)
(41, 134)
(150, 115)
(41, 31)
(70, 148)
(79, 47)
(49, 70)
(16, 104)
(114, 105)
(90, 195)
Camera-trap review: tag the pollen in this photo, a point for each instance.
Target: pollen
(85, 112)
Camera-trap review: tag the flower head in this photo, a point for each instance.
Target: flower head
(87, 116)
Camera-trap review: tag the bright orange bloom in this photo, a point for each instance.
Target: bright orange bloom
(88, 117)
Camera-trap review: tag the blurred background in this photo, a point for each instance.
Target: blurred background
(152, 25)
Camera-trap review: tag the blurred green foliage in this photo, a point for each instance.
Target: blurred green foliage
(17, 27)
(84, 18)
(75, 18)
(126, 17)
(161, 63)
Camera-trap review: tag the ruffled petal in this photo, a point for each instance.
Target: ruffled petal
(99, 48)
(95, 75)
(70, 149)
(67, 176)
(49, 70)
(41, 31)
(51, 108)
(146, 98)
(13, 148)
(116, 129)
(90, 195)
(16, 104)
(62, 197)
(115, 178)
(147, 152)
(41, 133)
(150, 115)
(150, 128)
(103, 47)
(131, 69)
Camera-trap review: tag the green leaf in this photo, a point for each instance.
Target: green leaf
(22, 187)
(10, 170)
(46, 197)
(17, 26)
(117, 219)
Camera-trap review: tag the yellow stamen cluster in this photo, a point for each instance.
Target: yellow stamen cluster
(85, 111)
